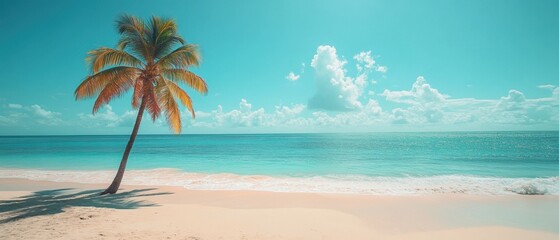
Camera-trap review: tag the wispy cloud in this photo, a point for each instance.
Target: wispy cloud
(15, 106)
(547, 86)
(20, 115)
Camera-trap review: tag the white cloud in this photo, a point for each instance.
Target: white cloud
(246, 116)
(366, 63)
(372, 107)
(421, 92)
(400, 116)
(108, 118)
(382, 69)
(39, 111)
(364, 60)
(242, 117)
(19, 115)
(46, 117)
(344, 102)
(512, 101)
(287, 117)
(287, 112)
(547, 86)
(292, 76)
(15, 106)
(335, 91)
(423, 107)
(428, 105)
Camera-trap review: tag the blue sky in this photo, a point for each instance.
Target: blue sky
(299, 66)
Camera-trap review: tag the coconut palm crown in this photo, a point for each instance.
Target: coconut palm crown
(152, 60)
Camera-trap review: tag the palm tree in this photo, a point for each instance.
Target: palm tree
(152, 59)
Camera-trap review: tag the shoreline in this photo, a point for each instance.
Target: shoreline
(324, 184)
(155, 212)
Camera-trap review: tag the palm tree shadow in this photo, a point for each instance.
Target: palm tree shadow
(50, 202)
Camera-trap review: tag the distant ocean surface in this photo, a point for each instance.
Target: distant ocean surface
(494, 163)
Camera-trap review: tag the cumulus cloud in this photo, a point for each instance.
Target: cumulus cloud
(420, 107)
(426, 104)
(345, 100)
(421, 92)
(335, 89)
(292, 76)
(364, 60)
(246, 116)
(513, 101)
(366, 63)
(108, 118)
(292, 116)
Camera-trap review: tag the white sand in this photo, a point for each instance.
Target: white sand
(177, 213)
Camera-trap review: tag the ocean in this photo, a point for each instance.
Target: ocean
(484, 163)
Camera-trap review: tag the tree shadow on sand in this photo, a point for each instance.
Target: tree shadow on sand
(50, 202)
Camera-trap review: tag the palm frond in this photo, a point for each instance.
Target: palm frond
(166, 44)
(114, 88)
(182, 57)
(96, 82)
(153, 60)
(185, 76)
(133, 35)
(169, 105)
(102, 58)
(164, 36)
(179, 93)
(152, 105)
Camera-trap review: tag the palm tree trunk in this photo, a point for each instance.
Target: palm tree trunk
(120, 173)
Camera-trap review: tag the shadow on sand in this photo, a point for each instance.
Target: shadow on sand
(49, 202)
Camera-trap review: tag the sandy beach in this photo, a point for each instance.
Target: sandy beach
(279, 120)
(49, 210)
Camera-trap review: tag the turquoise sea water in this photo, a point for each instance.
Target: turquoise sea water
(527, 159)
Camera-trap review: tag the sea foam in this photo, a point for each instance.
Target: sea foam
(342, 184)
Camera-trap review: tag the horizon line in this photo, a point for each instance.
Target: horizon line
(278, 133)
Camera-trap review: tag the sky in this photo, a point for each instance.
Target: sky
(298, 66)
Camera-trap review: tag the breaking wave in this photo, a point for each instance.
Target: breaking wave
(343, 184)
